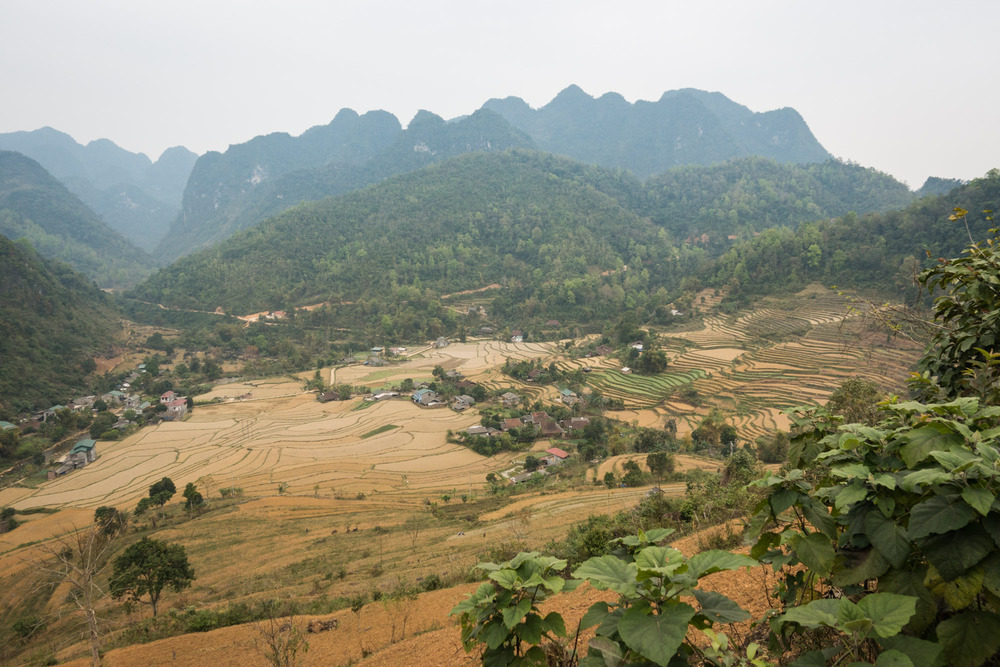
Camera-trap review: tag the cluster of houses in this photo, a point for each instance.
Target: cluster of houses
(554, 456)
(544, 426)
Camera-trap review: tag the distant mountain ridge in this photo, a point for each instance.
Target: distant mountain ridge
(234, 190)
(683, 127)
(266, 175)
(135, 196)
(37, 207)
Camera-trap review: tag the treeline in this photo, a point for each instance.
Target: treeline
(879, 251)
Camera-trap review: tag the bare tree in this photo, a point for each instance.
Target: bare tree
(279, 640)
(78, 559)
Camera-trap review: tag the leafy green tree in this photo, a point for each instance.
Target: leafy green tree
(111, 520)
(610, 480)
(632, 474)
(147, 567)
(193, 497)
(161, 492)
(961, 358)
(856, 400)
(660, 464)
(531, 464)
(102, 423)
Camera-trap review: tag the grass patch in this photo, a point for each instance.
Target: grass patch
(380, 429)
(362, 405)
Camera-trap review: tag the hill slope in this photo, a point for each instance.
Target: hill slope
(136, 197)
(52, 321)
(461, 224)
(249, 182)
(37, 207)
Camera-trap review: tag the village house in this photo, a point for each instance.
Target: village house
(6, 426)
(441, 342)
(555, 456)
(167, 396)
(603, 350)
(517, 336)
(549, 429)
(512, 422)
(568, 397)
(83, 452)
(510, 399)
(427, 398)
(463, 402)
(574, 424)
(176, 409)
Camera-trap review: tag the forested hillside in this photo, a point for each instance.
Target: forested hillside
(745, 196)
(563, 240)
(881, 251)
(37, 207)
(52, 322)
(267, 175)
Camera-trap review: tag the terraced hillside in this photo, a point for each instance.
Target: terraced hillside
(753, 365)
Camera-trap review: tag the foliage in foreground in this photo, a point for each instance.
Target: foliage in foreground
(887, 534)
(649, 623)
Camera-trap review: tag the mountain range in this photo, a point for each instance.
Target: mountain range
(251, 181)
(135, 196)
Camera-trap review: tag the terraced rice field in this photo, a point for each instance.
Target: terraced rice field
(756, 364)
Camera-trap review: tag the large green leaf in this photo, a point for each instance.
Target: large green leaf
(656, 637)
(854, 492)
(960, 592)
(921, 652)
(857, 567)
(816, 551)
(594, 615)
(888, 537)
(980, 499)
(819, 516)
(926, 439)
(493, 634)
(815, 614)
(715, 560)
(609, 572)
(969, 638)
(955, 552)
(926, 476)
(718, 608)
(889, 612)
(663, 561)
(939, 514)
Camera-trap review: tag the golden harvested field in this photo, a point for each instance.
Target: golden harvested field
(374, 491)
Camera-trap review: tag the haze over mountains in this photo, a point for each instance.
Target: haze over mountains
(183, 202)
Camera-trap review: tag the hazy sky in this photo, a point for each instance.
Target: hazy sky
(908, 87)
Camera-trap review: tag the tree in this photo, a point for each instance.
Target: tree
(531, 464)
(960, 359)
(194, 498)
(110, 520)
(147, 567)
(610, 480)
(78, 559)
(660, 464)
(633, 474)
(161, 492)
(856, 400)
